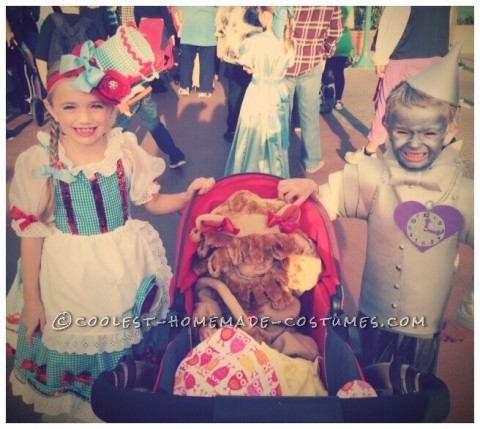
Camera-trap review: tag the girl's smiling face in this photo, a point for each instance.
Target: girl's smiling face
(83, 117)
(418, 134)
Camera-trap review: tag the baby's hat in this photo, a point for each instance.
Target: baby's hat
(440, 80)
(110, 69)
(245, 213)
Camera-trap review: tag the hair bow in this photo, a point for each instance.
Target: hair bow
(91, 76)
(213, 226)
(287, 221)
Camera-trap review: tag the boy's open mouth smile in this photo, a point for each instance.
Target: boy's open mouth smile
(414, 156)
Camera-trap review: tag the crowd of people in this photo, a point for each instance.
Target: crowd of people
(71, 195)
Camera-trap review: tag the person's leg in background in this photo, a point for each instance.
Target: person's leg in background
(291, 83)
(149, 117)
(337, 65)
(217, 65)
(186, 68)
(308, 87)
(238, 81)
(158, 85)
(123, 121)
(206, 57)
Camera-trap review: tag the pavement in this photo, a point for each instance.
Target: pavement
(197, 125)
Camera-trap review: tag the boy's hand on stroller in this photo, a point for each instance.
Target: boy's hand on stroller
(33, 319)
(453, 332)
(296, 191)
(200, 184)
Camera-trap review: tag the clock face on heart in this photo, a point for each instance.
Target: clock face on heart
(425, 229)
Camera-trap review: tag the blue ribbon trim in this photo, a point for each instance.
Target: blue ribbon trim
(48, 170)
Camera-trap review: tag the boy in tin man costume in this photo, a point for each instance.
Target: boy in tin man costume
(419, 207)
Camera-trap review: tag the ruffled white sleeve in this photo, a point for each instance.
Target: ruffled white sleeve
(141, 169)
(28, 193)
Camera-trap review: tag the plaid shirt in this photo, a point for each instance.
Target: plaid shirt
(126, 14)
(317, 29)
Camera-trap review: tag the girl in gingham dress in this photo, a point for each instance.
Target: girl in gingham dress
(82, 256)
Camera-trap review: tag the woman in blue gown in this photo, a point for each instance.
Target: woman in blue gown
(262, 136)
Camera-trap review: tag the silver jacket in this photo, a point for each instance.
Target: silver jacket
(400, 278)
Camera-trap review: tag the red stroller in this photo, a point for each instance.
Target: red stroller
(114, 400)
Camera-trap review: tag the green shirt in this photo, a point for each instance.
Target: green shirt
(344, 45)
(198, 25)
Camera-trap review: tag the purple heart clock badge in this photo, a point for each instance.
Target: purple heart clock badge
(425, 227)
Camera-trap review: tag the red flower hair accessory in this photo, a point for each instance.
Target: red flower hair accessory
(113, 88)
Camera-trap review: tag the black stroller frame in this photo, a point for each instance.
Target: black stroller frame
(32, 102)
(327, 94)
(34, 82)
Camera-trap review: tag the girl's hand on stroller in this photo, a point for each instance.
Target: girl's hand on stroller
(296, 191)
(33, 319)
(200, 184)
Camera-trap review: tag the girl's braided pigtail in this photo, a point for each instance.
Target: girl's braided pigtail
(49, 198)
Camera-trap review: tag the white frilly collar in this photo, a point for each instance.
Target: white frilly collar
(105, 167)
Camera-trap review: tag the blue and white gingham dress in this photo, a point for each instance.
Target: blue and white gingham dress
(97, 264)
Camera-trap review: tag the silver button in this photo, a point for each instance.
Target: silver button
(402, 246)
(394, 305)
(396, 286)
(399, 267)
